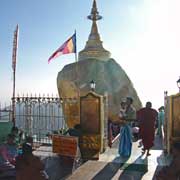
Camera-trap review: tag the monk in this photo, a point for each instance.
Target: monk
(147, 118)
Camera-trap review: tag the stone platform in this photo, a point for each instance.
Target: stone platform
(57, 167)
(112, 166)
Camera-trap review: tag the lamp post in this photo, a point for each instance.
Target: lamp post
(92, 85)
(178, 83)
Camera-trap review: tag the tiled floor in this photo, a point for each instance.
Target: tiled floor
(112, 166)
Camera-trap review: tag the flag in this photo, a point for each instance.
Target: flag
(15, 46)
(68, 47)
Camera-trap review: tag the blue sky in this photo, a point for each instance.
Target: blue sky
(142, 36)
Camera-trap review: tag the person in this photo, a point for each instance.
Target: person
(21, 136)
(75, 131)
(15, 131)
(115, 126)
(135, 132)
(171, 172)
(8, 153)
(122, 109)
(147, 117)
(125, 138)
(160, 121)
(29, 166)
(130, 113)
(114, 129)
(29, 139)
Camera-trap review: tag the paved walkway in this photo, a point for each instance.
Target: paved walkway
(112, 166)
(55, 166)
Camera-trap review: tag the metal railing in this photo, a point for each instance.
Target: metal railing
(39, 116)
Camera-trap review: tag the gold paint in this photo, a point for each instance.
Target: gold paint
(173, 120)
(94, 47)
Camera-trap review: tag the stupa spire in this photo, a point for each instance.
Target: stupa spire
(94, 47)
(94, 16)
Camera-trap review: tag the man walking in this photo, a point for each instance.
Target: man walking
(147, 118)
(160, 130)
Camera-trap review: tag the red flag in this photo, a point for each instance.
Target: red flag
(15, 44)
(68, 47)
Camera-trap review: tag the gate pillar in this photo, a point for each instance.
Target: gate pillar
(93, 123)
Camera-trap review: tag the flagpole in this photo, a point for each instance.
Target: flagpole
(14, 56)
(77, 68)
(76, 58)
(77, 78)
(13, 97)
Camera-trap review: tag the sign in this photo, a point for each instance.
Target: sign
(65, 145)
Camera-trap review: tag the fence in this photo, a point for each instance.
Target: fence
(38, 116)
(42, 116)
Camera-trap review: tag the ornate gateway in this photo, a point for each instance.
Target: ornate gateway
(92, 123)
(172, 120)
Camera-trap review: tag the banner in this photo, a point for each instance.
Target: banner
(15, 46)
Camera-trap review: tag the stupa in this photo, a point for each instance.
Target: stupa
(95, 63)
(94, 48)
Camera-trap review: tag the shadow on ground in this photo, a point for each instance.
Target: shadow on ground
(128, 170)
(136, 170)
